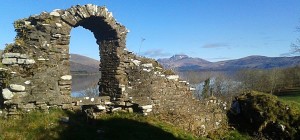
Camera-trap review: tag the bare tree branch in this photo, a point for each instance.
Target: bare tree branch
(296, 46)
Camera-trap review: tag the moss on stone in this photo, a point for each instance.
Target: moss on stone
(266, 115)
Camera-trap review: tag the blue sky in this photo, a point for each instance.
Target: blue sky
(214, 30)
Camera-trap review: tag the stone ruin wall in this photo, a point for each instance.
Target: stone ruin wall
(36, 73)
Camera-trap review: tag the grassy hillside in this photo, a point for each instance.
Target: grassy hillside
(80, 64)
(84, 60)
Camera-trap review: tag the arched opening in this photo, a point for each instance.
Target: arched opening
(110, 51)
(110, 35)
(84, 63)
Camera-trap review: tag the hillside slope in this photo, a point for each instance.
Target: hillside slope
(80, 63)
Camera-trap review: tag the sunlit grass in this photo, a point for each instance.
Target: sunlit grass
(40, 125)
(35, 125)
(291, 97)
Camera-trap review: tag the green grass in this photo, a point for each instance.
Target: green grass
(126, 126)
(147, 128)
(236, 135)
(38, 125)
(291, 97)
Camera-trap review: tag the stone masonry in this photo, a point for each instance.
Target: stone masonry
(36, 73)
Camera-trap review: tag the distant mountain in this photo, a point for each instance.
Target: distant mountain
(181, 61)
(80, 63)
(185, 63)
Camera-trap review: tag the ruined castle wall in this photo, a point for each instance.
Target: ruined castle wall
(36, 73)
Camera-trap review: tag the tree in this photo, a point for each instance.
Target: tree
(218, 85)
(206, 88)
(275, 77)
(296, 47)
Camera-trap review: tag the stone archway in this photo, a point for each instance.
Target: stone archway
(40, 56)
(110, 36)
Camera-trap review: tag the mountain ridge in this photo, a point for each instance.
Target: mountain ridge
(180, 62)
(187, 63)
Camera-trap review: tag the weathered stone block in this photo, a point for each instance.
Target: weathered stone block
(66, 106)
(55, 14)
(43, 106)
(147, 110)
(24, 56)
(9, 61)
(11, 55)
(39, 103)
(29, 61)
(101, 107)
(65, 82)
(29, 106)
(58, 25)
(116, 109)
(42, 59)
(7, 94)
(19, 94)
(65, 87)
(173, 77)
(128, 104)
(91, 9)
(17, 88)
(66, 18)
(21, 61)
(27, 82)
(82, 12)
(65, 92)
(66, 77)
(130, 110)
(146, 107)
(192, 89)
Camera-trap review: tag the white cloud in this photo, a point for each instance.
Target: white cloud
(155, 53)
(216, 45)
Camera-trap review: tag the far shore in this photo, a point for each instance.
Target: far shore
(85, 73)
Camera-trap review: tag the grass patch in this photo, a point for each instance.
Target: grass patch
(290, 97)
(147, 128)
(38, 125)
(126, 126)
(236, 135)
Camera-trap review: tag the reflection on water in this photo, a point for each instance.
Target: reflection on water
(85, 85)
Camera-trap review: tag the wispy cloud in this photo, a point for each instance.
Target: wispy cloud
(289, 54)
(216, 45)
(219, 58)
(155, 53)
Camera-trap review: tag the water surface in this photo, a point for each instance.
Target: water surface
(85, 85)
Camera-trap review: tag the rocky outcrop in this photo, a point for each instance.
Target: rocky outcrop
(264, 115)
